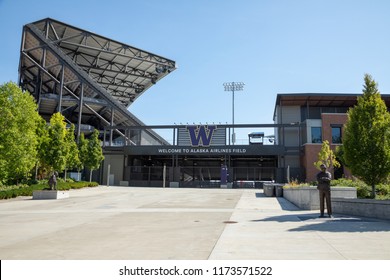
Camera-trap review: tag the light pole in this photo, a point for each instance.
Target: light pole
(233, 86)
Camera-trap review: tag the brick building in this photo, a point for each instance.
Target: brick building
(321, 117)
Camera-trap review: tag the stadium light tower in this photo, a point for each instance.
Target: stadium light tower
(233, 87)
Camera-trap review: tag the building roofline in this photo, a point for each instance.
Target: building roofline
(320, 98)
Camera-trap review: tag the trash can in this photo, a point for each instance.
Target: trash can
(279, 190)
(269, 190)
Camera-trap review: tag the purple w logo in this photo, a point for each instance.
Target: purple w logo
(201, 135)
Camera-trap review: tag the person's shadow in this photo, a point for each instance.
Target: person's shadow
(311, 221)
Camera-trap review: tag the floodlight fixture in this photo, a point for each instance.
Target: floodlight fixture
(233, 87)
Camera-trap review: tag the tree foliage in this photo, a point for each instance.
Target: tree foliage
(18, 139)
(42, 132)
(326, 156)
(26, 140)
(72, 156)
(94, 154)
(57, 150)
(366, 137)
(83, 150)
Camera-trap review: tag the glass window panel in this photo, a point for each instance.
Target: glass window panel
(336, 135)
(316, 135)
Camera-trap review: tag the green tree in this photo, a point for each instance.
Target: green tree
(327, 157)
(57, 150)
(366, 138)
(42, 133)
(72, 156)
(95, 153)
(83, 151)
(18, 139)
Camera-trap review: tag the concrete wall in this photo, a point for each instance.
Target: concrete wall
(379, 209)
(308, 198)
(292, 161)
(116, 163)
(288, 136)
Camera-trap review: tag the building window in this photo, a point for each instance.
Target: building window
(336, 134)
(316, 135)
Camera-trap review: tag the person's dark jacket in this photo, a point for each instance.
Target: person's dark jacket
(324, 179)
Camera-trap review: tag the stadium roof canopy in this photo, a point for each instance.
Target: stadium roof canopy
(89, 78)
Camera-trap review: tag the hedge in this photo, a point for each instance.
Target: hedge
(25, 190)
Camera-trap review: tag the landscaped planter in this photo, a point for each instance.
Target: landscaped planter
(379, 209)
(308, 198)
(50, 194)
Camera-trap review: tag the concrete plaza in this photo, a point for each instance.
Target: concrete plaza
(127, 223)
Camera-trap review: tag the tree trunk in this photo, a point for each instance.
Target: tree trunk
(90, 176)
(373, 192)
(36, 171)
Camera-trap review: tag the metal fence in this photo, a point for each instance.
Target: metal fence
(203, 177)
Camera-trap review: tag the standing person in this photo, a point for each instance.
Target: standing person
(324, 177)
(53, 181)
(55, 176)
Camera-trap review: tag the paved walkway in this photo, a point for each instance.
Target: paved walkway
(119, 223)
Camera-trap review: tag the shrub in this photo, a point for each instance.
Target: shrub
(25, 190)
(362, 190)
(15, 190)
(383, 191)
(294, 183)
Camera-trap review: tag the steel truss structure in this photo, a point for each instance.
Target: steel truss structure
(90, 79)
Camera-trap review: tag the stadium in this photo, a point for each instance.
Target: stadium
(93, 80)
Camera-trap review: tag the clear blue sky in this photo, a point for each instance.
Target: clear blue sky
(273, 46)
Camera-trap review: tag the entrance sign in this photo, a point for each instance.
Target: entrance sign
(202, 151)
(252, 150)
(201, 136)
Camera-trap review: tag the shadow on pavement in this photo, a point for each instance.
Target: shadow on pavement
(339, 223)
(284, 203)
